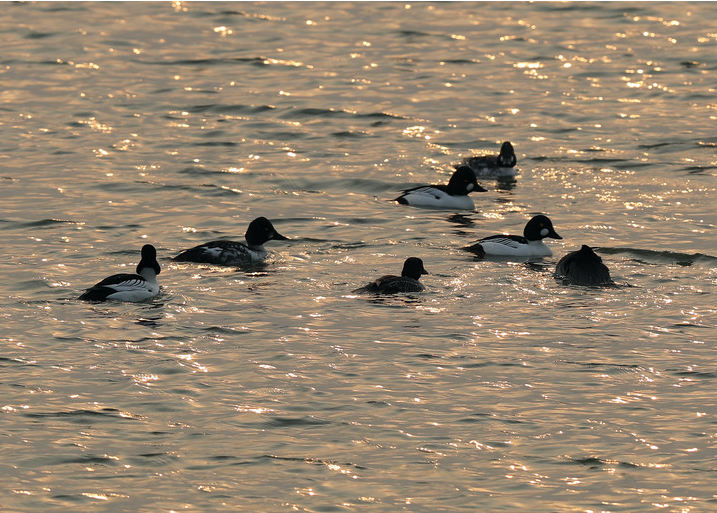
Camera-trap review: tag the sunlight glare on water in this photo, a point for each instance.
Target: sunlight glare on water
(274, 387)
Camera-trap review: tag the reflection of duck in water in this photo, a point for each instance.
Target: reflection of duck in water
(583, 267)
(494, 166)
(391, 284)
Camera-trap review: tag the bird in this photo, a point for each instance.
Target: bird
(391, 284)
(529, 245)
(227, 252)
(583, 267)
(452, 195)
(129, 287)
(492, 166)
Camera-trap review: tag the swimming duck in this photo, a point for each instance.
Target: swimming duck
(129, 287)
(492, 166)
(583, 267)
(391, 284)
(452, 195)
(227, 252)
(529, 245)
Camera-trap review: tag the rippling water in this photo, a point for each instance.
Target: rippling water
(272, 388)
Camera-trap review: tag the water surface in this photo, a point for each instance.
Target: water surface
(273, 388)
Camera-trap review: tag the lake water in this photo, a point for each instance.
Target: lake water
(273, 388)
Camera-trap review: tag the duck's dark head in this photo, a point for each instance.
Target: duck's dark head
(149, 259)
(507, 155)
(413, 268)
(539, 228)
(261, 230)
(464, 181)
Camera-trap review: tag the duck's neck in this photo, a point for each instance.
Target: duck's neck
(148, 274)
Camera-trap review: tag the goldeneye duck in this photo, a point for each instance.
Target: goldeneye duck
(583, 267)
(129, 287)
(529, 245)
(452, 195)
(227, 252)
(391, 284)
(492, 166)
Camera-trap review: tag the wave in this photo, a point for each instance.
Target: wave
(229, 108)
(695, 170)
(607, 367)
(596, 463)
(83, 416)
(308, 421)
(331, 112)
(41, 223)
(660, 257)
(253, 61)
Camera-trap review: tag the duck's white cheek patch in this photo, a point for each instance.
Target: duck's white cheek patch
(469, 187)
(544, 232)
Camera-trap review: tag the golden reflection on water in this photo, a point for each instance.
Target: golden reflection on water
(593, 326)
(259, 410)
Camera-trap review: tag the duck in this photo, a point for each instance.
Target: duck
(452, 195)
(391, 284)
(501, 166)
(129, 287)
(227, 252)
(583, 267)
(529, 245)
